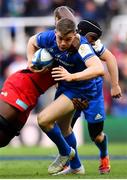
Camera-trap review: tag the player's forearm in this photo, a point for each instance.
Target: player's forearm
(88, 73)
(112, 66)
(113, 71)
(31, 49)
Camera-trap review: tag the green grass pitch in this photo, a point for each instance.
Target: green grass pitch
(24, 168)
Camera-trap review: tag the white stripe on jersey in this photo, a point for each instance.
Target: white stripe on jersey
(98, 47)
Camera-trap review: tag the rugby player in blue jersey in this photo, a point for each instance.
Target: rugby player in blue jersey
(92, 31)
(83, 80)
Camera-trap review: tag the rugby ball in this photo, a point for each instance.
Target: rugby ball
(42, 58)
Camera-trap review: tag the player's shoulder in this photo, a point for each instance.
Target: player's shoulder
(85, 48)
(45, 38)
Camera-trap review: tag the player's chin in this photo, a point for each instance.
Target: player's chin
(62, 48)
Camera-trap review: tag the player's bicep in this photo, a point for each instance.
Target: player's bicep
(94, 61)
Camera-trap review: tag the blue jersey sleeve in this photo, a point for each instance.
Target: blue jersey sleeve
(44, 39)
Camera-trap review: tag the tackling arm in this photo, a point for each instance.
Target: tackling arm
(94, 68)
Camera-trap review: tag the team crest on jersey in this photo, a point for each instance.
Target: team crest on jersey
(84, 50)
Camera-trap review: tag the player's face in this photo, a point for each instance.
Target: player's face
(64, 42)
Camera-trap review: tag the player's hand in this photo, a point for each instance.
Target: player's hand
(80, 104)
(33, 68)
(60, 73)
(116, 91)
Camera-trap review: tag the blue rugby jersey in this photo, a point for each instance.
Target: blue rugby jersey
(72, 62)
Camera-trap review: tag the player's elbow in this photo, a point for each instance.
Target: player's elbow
(100, 70)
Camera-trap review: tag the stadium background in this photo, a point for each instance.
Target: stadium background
(21, 19)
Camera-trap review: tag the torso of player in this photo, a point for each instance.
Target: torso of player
(73, 62)
(41, 81)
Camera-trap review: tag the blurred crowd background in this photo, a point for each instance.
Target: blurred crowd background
(13, 38)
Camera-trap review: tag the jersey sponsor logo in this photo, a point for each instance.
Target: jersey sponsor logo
(58, 58)
(98, 116)
(21, 104)
(4, 93)
(84, 50)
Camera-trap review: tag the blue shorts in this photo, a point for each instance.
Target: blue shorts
(95, 112)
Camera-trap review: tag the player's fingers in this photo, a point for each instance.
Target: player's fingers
(117, 96)
(57, 75)
(34, 69)
(56, 72)
(77, 104)
(80, 104)
(59, 79)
